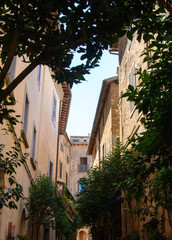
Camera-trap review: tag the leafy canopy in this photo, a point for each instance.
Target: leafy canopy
(47, 208)
(50, 31)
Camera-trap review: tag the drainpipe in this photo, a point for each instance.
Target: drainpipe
(58, 136)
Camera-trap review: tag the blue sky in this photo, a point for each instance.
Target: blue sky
(86, 94)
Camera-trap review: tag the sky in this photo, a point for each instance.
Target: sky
(85, 96)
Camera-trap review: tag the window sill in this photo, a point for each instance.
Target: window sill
(23, 135)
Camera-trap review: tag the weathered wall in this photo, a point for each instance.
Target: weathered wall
(108, 128)
(129, 56)
(78, 149)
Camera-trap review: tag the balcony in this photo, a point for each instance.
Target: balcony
(83, 168)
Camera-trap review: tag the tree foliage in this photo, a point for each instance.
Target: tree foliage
(10, 160)
(124, 175)
(153, 98)
(47, 208)
(49, 32)
(99, 200)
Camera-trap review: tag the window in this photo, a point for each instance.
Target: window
(67, 158)
(33, 144)
(25, 121)
(79, 186)
(103, 151)
(50, 170)
(75, 140)
(66, 179)
(39, 68)
(60, 170)
(128, 43)
(54, 106)
(26, 115)
(12, 69)
(132, 82)
(61, 146)
(83, 164)
(83, 160)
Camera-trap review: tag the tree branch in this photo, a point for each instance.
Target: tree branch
(19, 79)
(9, 57)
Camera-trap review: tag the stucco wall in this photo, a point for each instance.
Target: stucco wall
(40, 114)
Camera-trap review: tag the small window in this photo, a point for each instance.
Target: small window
(83, 160)
(83, 164)
(61, 146)
(66, 179)
(26, 114)
(67, 158)
(50, 170)
(79, 186)
(75, 140)
(54, 106)
(39, 68)
(128, 43)
(132, 82)
(12, 69)
(60, 170)
(103, 151)
(33, 144)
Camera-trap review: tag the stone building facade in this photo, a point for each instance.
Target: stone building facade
(105, 130)
(80, 163)
(43, 112)
(130, 60)
(63, 169)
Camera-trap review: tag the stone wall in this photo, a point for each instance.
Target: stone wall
(78, 150)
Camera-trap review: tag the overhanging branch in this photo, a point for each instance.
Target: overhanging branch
(19, 79)
(9, 57)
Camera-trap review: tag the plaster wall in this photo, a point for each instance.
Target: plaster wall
(40, 99)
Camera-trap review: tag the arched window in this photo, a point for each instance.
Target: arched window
(82, 235)
(23, 222)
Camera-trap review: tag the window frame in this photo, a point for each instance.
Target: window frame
(61, 170)
(50, 169)
(34, 142)
(67, 177)
(83, 167)
(12, 70)
(25, 118)
(132, 82)
(54, 109)
(39, 76)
